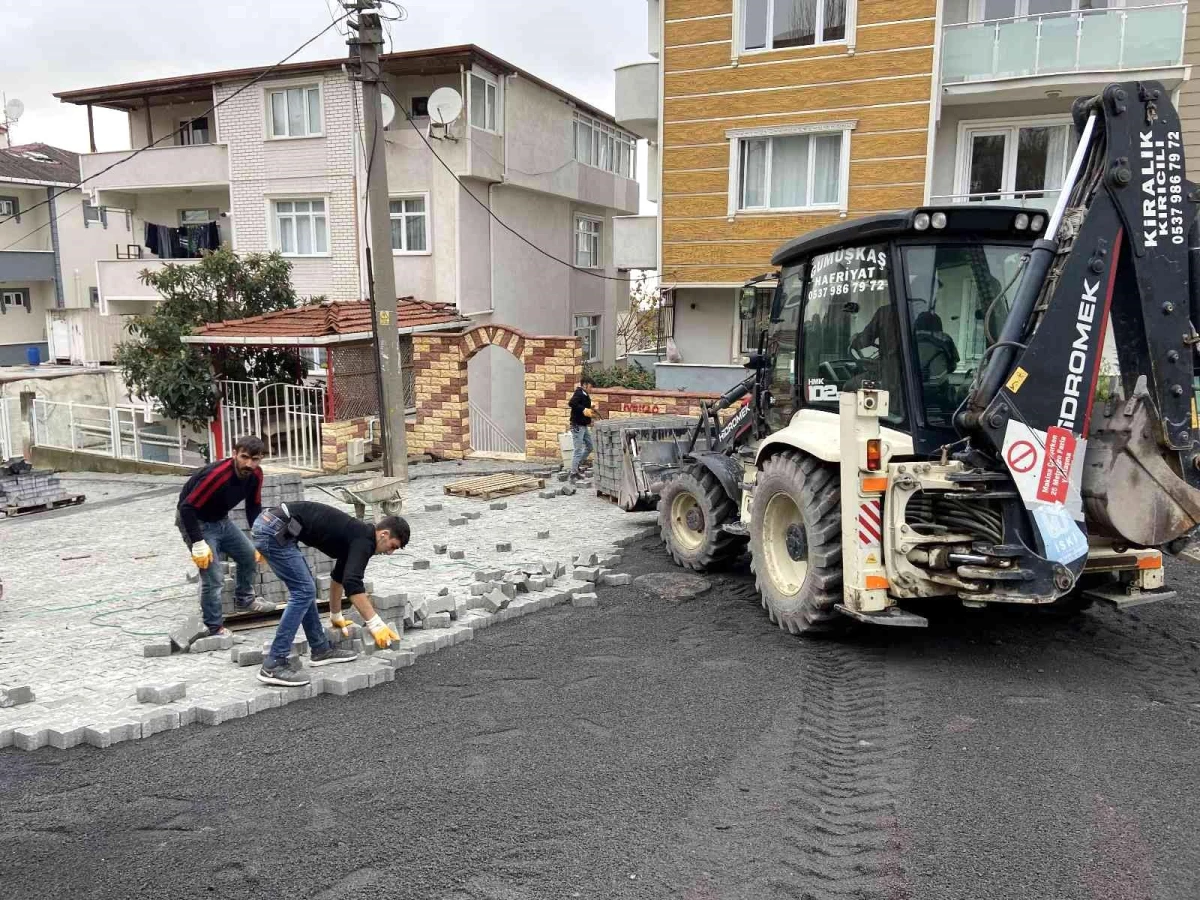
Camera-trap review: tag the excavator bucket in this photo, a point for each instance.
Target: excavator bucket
(1130, 489)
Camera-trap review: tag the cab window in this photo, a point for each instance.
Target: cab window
(851, 333)
(781, 345)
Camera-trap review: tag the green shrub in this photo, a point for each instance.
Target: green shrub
(634, 378)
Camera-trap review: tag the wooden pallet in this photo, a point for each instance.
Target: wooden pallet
(487, 487)
(68, 500)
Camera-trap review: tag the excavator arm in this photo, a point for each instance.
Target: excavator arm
(1092, 452)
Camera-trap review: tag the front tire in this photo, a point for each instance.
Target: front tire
(796, 543)
(691, 510)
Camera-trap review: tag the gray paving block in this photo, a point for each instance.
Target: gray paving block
(265, 699)
(542, 535)
(509, 590)
(472, 516)
(618, 578)
(160, 647)
(567, 490)
(106, 734)
(495, 601)
(458, 520)
(420, 565)
(161, 693)
(586, 573)
(214, 712)
(439, 549)
(547, 495)
(381, 675)
(66, 737)
(443, 592)
(389, 601)
(30, 737)
(433, 507)
(503, 547)
(155, 721)
(342, 683)
(438, 620)
(477, 589)
(252, 656)
(536, 583)
(190, 629)
(581, 599)
(211, 643)
(591, 560)
(458, 554)
(498, 504)
(609, 561)
(15, 695)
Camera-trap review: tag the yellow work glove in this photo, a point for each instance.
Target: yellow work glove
(258, 558)
(382, 632)
(202, 554)
(589, 412)
(340, 623)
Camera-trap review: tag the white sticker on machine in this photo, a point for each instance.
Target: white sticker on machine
(1047, 466)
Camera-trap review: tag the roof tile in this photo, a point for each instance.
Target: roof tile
(332, 318)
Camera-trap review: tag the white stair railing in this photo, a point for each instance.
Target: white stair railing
(487, 436)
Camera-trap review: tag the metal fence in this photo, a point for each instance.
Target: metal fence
(118, 432)
(487, 436)
(288, 417)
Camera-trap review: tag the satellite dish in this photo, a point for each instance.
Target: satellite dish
(14, 109)
(389, 110)
(445, 106)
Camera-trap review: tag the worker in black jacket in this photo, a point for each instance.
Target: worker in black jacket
(277, 533)
(202, 516)
(581, 424)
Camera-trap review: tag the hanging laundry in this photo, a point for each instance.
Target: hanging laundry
(187, 242)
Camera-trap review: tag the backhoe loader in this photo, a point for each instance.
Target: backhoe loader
(972, 403)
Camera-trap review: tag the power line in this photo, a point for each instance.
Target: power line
(170, 134)
(499, 221)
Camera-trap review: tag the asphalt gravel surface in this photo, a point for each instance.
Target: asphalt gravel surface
(652, 748)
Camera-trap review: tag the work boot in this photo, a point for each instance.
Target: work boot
(255, 604)
(331, 655)
(281, 675)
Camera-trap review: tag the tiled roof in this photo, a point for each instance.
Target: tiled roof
(39, 162)
(332, 318)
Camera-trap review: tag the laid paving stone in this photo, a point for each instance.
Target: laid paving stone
(15, 696)
(340, 684)
(214, 712)
(617, 578)
(190, 629)
(161, 647)
(159, 720)
(586, 573)
(438, 620)
(458, 520)
(582, 599)
(106, 734)
(64, 738)
(211, 643)
(30, 737)
(498, 504)
(253, 656)
(420, 565)
(458, 554)
(433, 507)
(472, 516)
(503, 546)
(495, 601)
(159, 694)
(542, 535)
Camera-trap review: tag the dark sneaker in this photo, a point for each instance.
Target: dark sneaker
(219, 631)
(331, 656)
(257, 604)
(283, 676)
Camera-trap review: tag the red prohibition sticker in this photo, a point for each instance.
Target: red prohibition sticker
(1022, 456)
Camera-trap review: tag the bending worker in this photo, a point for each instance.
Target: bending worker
(202, 517)
(277, 535)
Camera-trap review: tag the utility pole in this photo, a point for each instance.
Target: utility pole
(364, 52)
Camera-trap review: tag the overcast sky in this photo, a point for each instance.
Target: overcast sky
(570, 43)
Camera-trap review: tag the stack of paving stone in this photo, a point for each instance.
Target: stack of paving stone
(32, 487)
(612, 436)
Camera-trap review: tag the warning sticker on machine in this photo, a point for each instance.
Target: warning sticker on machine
(1046, 465)
(1061, 537)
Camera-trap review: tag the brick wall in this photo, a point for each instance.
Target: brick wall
(619, 403)
(336, 437)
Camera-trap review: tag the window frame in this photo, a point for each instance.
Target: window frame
(738, 136)
(764, 295)
(593, 321)
(282, 88)
(94, 297)
(23, 296)
(412, 106)
(611, 137)
(100, 218)
(1010, 128)
(15, 212)
(276, 236)
(416, 195)
(187, 127)
(490, 81)
(739, 18)
(597, 236)
(212, 216)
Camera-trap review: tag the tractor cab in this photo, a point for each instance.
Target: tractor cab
(907, 302)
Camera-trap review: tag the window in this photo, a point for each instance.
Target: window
(781, 345)
(10, 206)
(484, 101)
(94, 297)
(775, 24)
(601, 145)
(752, 328)
(11, 298)
(300, 227)
(94, 215)
(295, 112)
(587, 242)
(587, 329)
(410, 232)
(1015, 162)
(197, 216)
(317, 358)
(193, 131)
(792, 171)
(420, 107)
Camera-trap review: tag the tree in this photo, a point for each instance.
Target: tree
(180, 378)
(638, 328)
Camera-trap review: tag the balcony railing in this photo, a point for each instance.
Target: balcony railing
(157, 167)
(1093, 40)
(1024, 199)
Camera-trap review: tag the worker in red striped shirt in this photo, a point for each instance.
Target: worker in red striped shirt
(202, 517)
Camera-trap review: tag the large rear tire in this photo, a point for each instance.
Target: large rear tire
(691, 510)
(796, 543)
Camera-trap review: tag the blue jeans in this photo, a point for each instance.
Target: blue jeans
(582, 436)
(288, 563)
(225, 540)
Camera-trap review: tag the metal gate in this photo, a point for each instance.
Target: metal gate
(288, 417)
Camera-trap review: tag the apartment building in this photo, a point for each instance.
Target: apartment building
(774, 117)
(50, 239)
(279, 165)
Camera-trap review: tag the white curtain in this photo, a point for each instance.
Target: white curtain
(827, 168)
(754, 174)
(789, 171)
(1056, 156)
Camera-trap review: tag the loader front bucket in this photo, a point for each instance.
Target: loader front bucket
(644, 465)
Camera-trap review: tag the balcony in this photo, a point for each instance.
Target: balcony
(637, 99)
(1023, 56)
(26, 265)
(635, 242)
(121, 288)
(159, 168)
(1043, 201)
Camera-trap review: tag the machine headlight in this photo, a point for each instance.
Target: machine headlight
(921, 222)
(1037, 222)
(938, 220)
(1021, 222)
